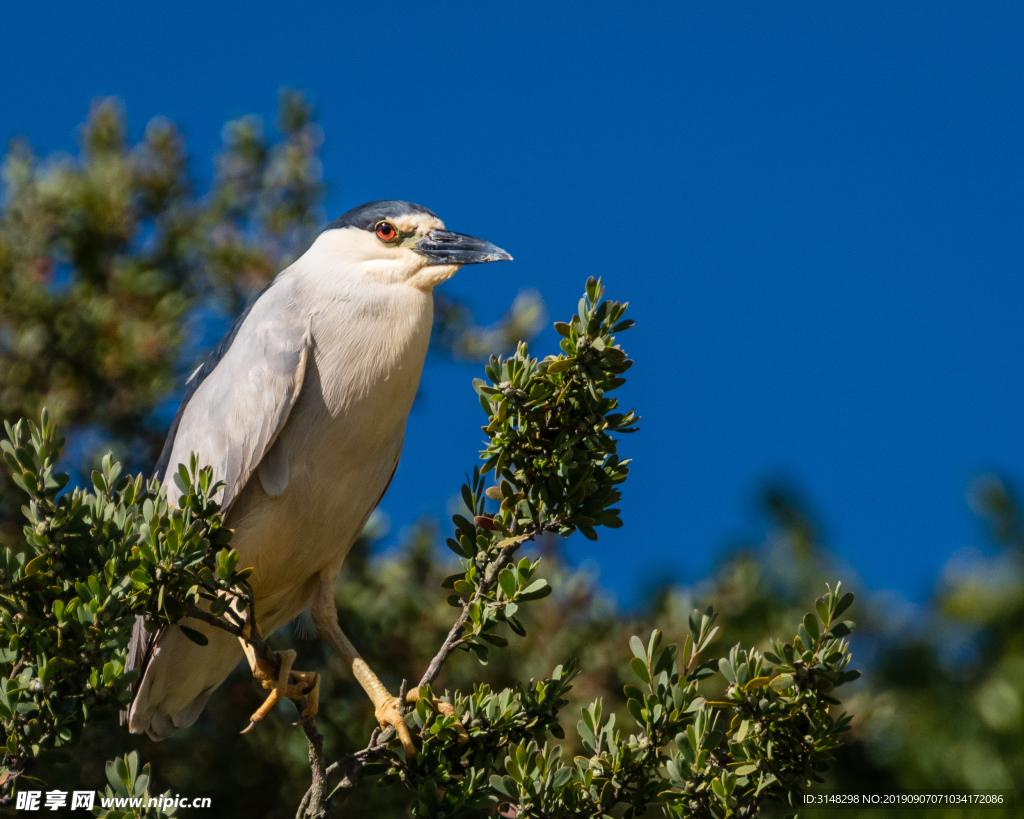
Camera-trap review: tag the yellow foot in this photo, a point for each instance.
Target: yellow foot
(311, 681)
(448, 710)
(389, 714)
(284, 684)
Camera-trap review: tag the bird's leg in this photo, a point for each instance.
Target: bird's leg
(387, 709)
(283, 683)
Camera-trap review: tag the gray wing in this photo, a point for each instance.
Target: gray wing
(242, 398)
(235, 406)
(195, 380)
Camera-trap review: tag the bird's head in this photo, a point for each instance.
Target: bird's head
(397, 241)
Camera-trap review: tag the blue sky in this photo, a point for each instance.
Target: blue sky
(815, 211)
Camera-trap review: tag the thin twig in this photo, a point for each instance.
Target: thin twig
(454, 640)
(17, 667)
(313, 805)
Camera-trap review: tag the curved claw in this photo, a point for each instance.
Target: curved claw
(302, 721)
(389, 714)
(288, 684)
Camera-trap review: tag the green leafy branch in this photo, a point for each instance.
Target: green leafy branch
(553, 456)
(127, 782)
(94, 560)
(771, 738)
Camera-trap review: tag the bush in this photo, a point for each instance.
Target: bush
(99, 557)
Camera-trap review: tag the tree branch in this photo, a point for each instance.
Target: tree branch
(453, 640)
(315, 795)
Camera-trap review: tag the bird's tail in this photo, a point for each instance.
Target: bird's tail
(177, 676)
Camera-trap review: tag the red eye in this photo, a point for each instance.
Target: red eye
(386, 232)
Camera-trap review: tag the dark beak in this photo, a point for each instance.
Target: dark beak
(445, 247)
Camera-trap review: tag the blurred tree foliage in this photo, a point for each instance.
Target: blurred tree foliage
(112, 267)
(105, 257)
(945, 705)
(940, 706)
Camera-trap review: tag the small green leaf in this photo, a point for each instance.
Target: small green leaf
(449, 581)
(844, 603)
(640, 669)
(507, 581)
(536, 590)
(782, 682)
(467, 498)
(636, 709)
(631, 691)
(196, 637)
(653, 643)
(586, 734)
(35, 565)
(456, 547)
(637, 647)
(811, 625)
(842, 629)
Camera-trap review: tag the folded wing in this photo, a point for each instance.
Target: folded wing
(235, 406)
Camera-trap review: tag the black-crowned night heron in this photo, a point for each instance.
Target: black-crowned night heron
(301, 410)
